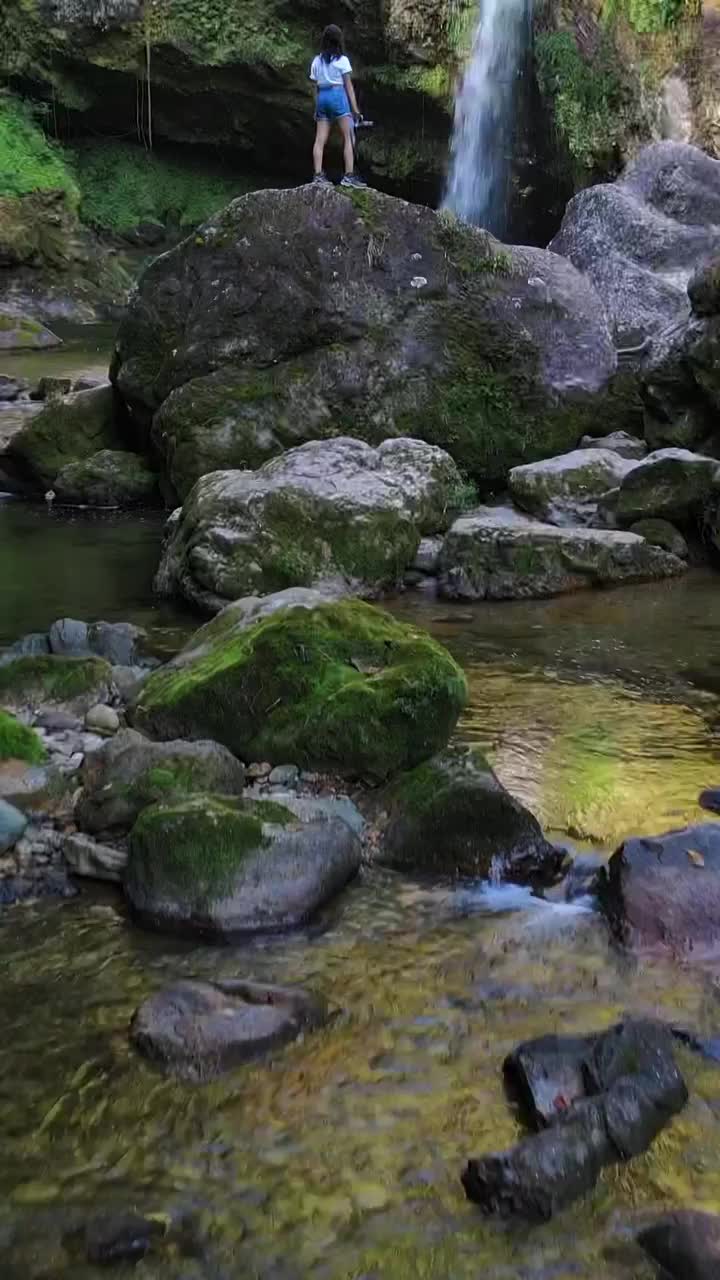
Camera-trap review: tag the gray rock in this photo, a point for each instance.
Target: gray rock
(319, 808)
(103, 720)
(672, 484)
(120, 643)
(566, 490)
(660, 533)
(197, 1030)
(53, 388)
(334, 511)
(69, 638)
(34, 645)
(685, 1244)
(640, 239)
(427, 555)
(259, 868)
(20, 332)
(12, 825)
(284, 775)
(130, 772)
(498, 554)
(618, 442)
(451, 816)
(108, 478)
(57, 721)
(11, 388)
(88, 858)
(127, 681)
(38, 788)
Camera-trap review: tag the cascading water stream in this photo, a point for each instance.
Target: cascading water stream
(478, 181)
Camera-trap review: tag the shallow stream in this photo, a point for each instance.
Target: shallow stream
(340, 1159)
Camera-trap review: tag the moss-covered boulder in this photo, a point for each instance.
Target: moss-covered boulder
(335, 511)
(660, 533)
(568, 490)
(76, 427)
(20, 332)
(130, 772)
(341, 686)
(216, 867)
(384, 319)
(18, 741)
(451, 816)
(79, 682)
(671, 484)
(110, 478)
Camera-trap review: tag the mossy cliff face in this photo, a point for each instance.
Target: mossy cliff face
(234, 74)
(342, 686)
(363, 317)
(617, 74)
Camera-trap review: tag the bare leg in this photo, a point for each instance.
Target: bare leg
(346, 128)
(321, 136)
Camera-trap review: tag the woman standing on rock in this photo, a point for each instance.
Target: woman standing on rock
(335, 102)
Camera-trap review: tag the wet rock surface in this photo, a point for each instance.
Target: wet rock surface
(685, 1244)
(198, 1030)
(596, 1100)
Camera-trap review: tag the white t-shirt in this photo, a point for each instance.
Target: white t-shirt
(330, 74)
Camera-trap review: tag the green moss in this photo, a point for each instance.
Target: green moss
(343, 686)
(435, 82)
(53, 679)
(29, 161)
(19, 742)
(67, 431)
(195, 847)
(593, 108)
(648, 17)
(122, 185)
(470, 252)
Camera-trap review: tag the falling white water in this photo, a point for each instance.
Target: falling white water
(477, 188)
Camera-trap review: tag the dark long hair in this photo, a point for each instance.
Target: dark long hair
(332, 44)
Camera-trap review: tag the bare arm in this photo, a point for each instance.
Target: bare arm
(350, 90)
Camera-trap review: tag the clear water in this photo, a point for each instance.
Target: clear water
(477, 187)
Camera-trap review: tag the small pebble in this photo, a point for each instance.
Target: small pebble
(102, 719)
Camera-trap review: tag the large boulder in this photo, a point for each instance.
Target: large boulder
(671, 484)
(640, 239)
(496, 553)
(110, 478)
(567, 490)
(303, 314)
(333, 511)
(340, 686)
(197, 1030)
(685, 1244)
(66, 431)
(451, 816)
(130, 772)
(219, 868)
(664, 891)
(19, 332)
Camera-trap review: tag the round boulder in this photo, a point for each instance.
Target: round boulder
(109, 478)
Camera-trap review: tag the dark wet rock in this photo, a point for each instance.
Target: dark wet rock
(52, 388)
(595, 1099)
(67, 430)
(338, 686)
(11, 388)
(120, 1237)
(665, 890)
(435, 329)
(686, 1244)
(582, 878)
(450, 815)
(198, 1030)
(217, 867)
(497, 553)
(109, 478)
(660, 533)
(640, 239)
(35, 884)
(710, 799)
(12, 825)
(671, 484)
(332, 511)
(28, 646)
(120, 643)
(704, 289)
(130, 772)
(567, 490)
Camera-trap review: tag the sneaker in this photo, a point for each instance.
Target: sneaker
(321, 180)
(352, 180)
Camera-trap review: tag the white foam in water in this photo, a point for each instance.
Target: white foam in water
(485, 896)
(484, 115)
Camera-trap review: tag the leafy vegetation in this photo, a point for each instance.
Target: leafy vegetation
(18, 741)
(29, 160)
(590, 100)
(648, 17)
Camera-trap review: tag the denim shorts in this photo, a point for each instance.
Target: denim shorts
(332, 104)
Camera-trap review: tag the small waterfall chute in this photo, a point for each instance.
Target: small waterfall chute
(477, 187)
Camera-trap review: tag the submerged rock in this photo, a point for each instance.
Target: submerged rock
(496, 553)
(66, 431)
(434, 329)
(686, 1244)
(665, 890)
(596, 1099)
(120, 1237)
(130, 772)
(567, 490)
(450, 815)
(334, 511)
(110, 478)
(220, 868)
(198, 1030)
(671, 484)
(340, 686)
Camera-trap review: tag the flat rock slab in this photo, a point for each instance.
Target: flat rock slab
(496, 553)
(685, 1244)
(198, 1030)
(596, 1100)
(664, 891)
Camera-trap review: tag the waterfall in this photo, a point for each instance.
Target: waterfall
(477, 188)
